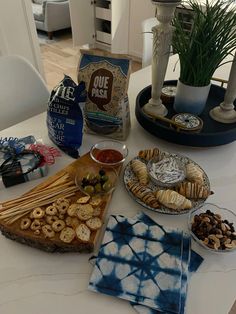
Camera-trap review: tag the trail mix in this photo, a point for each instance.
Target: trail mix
(214, 231)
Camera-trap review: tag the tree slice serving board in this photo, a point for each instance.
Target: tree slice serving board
(28, 237)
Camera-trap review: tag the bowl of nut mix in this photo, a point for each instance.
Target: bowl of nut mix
(213, 227)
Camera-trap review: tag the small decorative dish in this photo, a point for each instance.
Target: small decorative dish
(96, 181)
(213, 228)
(167, 172)
(109, 153)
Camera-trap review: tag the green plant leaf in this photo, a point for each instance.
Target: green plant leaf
(211, 39)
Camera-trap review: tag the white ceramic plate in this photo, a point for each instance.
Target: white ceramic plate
(130, 176)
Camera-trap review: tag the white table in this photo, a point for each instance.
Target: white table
(35, 282)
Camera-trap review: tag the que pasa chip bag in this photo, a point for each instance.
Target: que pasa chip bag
(64, 115)
(106, 110)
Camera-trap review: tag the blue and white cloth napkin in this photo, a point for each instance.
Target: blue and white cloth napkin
(190, 263)
(144, 263)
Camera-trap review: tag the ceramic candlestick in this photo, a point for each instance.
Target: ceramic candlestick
(162, 35)
(225, 112)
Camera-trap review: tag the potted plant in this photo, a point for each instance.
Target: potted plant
(202, 50)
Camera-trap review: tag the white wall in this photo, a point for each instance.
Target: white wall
(82, 20)
(18, 32)
(3, 42)
(139, 11)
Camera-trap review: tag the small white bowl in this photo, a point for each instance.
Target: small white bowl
(226, 215)
(157, 181)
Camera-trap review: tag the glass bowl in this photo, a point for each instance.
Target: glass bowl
(89, 176)
(109, 145)
(227, 216)
(162, 173)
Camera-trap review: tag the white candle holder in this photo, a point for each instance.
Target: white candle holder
(162, 35)
(225, 112)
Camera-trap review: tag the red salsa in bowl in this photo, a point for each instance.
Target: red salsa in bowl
(109, 156)
(109, 153)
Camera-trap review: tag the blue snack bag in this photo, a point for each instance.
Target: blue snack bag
(64, 115)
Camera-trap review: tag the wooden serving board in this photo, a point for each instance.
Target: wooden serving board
(14, 232)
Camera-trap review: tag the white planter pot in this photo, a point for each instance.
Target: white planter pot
(191, 99)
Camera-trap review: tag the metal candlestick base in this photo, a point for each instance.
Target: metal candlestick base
(153, 109)
(223, 116)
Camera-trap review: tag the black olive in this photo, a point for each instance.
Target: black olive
(84, 181)
(102, 172)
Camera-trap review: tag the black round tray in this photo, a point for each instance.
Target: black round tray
(213, 133)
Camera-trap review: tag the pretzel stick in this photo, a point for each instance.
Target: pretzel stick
(15, 217)
(59, 181)
(31, 206)
(36, 201)
(41, 197)
(52, 186)
(63, 177)
(32, 195)
(10, 220)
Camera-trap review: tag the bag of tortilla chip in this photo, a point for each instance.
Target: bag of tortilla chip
(106, 110)
(64, 115)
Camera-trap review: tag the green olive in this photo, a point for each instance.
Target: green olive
(98, 178)
(98, 187)
(89, 189)
(90, 176)
(104, 178)
(107, 186)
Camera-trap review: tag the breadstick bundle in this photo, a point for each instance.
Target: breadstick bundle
(13, 210)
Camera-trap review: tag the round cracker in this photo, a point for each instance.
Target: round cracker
(94, 223)
(83, 233)
(85, 212)
(67, 235)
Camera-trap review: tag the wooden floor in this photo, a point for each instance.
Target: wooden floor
(60, 57)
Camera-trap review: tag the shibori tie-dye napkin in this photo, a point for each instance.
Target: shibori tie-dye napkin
(190, 263)
(142, 262)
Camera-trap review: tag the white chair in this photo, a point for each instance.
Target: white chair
(23, 92)
(147, 26)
